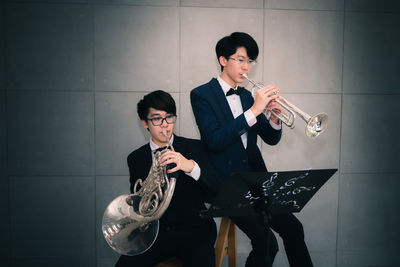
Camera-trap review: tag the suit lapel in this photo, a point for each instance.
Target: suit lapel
(147, 159)
(177, 143)
(220, 100)
(246, 103)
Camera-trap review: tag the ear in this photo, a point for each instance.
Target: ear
(223, 61)
(144, 123)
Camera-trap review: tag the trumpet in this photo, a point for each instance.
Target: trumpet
(315, 124)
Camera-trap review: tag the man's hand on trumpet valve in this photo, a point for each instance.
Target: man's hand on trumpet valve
(274, 106)
(181, 162)
(265, 98)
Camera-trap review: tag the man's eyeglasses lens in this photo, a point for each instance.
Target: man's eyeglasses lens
(156, 121)
(243, 61)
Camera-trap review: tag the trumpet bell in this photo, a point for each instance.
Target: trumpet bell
(123, 233)
(316, 125)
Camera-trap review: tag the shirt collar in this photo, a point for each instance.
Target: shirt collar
(225, 86)
(154, 146)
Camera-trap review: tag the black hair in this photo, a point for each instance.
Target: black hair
(228, 45)
(158, 100)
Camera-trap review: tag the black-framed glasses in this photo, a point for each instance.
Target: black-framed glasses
(157, 121)
(243, 61)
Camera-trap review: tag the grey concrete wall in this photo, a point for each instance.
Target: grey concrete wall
(72, 71)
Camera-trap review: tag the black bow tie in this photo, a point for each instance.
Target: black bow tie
(159, 149)
(233, 91)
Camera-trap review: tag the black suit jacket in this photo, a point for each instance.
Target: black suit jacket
(189, 194)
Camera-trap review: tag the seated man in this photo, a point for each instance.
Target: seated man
(182, 232)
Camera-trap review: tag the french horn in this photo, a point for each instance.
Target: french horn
(131, 221)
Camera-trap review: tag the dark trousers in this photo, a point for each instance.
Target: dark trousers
(291, 231)
(194, 246)
(263, 241)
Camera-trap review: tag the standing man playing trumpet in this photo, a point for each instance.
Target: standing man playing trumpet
(229, 120)
(182, 232)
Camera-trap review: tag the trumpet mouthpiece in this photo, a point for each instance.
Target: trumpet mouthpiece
(245, 75)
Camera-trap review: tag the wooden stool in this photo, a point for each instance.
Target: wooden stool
(227, 232)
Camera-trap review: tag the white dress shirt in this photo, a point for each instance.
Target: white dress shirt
(236, 107)
(195, 173)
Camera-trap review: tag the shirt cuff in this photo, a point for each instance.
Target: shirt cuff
(250, 118)
(195, 173)
(276, 126)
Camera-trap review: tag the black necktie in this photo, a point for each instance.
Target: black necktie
(233, 91)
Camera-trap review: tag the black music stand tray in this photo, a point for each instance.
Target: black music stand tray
(280, 192)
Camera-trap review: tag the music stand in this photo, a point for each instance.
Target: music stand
(286, 192)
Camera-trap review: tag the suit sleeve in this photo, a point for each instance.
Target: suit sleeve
(267, 133)
(208, 180)
(214, 135)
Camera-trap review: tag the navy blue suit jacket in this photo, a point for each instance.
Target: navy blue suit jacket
(221, 132)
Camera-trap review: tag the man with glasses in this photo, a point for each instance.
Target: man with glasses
(229, 120)
(182, 232)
